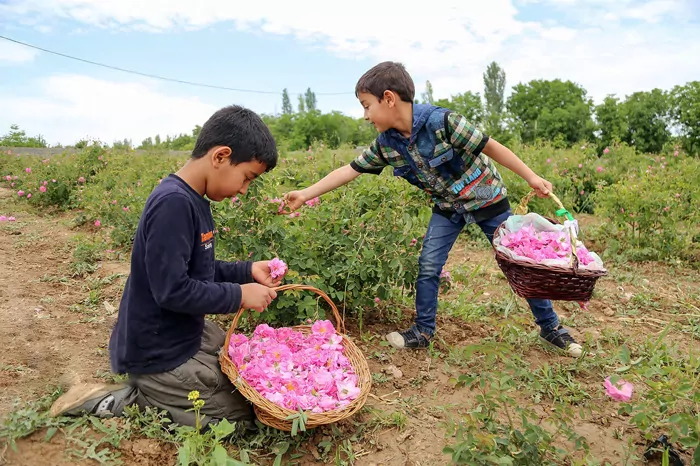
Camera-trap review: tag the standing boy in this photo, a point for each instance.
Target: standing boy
(161, 338)
(439, 152)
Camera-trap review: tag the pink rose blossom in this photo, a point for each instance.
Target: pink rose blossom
(599, 169)
(3, 218)
(606, 151)
(622, 391)
(20, 193)
(296, 370)
(97, 223)
(312, 202)
(11, 219)
(29, 196)
(277, 268)
(42, 189)
(543, 245)
(28, 170)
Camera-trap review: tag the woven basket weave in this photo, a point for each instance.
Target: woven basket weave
(556, 283)
(273, 415)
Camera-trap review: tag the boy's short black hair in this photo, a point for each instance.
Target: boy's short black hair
(243, 131)
(387, 76)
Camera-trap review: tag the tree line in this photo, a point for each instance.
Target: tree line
(541, 110)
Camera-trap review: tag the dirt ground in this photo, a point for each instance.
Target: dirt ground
(50, 337)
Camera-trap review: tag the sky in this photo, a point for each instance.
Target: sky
(607, 46)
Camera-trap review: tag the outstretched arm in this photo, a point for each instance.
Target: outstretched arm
(335, 179)
(508, 159)
(370, 161)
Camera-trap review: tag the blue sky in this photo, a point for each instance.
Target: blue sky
(608, 47)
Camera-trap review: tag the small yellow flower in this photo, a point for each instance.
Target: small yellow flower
(193, 395)
(198, 404)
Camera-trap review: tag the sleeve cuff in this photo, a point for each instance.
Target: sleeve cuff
(482, 144)
(371, 171)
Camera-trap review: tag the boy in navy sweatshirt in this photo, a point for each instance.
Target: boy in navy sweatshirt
(161, 338)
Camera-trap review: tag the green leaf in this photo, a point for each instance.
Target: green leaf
(220, 456)
(50, 433)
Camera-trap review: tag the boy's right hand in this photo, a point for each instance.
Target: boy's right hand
(256, 296)
(294, 199)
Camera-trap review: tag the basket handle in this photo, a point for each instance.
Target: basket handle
(340, 325)
(522, 209)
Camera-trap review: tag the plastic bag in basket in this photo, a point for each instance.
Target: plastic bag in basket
(533, 239)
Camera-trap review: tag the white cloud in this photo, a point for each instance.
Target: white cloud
(14, 53)
(71, 107)
(607, 46)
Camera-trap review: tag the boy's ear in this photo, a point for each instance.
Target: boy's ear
(220, 155)
(390, 98)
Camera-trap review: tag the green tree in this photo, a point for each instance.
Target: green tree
(494, 88)
(685, 112)
(18, 138)
(646, 116)
(467, 104)
(611, 122)
(310, 100)
(551, 110)
(301, 108)
(286, 103)
(428, 94)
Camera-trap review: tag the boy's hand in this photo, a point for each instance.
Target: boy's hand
(294, 199)
(541, 186)
(261, 274)
(256, 296)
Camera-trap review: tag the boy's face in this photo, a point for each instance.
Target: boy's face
(229, 180)
(378, 113)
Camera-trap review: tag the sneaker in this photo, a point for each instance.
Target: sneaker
(94, 399)
(410, 338)
(561, 338)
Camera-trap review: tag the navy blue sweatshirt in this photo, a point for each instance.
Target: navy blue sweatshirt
(175, 280)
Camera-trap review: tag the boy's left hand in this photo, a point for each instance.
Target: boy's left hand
(541, 186)
(261, 274)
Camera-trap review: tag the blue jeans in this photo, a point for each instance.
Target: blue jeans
(441, 236)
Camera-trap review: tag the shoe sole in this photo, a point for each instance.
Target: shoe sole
(79, 394)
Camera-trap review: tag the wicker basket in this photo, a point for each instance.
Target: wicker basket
(545, 281)
(273, 415)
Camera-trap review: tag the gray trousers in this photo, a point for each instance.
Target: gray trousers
(202, 372)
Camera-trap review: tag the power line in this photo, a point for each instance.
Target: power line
(162, 78)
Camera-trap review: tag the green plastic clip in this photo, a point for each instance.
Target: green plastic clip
(564, 212)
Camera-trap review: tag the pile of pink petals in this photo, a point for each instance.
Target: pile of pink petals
(543, 245)
(294, 370)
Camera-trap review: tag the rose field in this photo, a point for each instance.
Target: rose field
(487, 390)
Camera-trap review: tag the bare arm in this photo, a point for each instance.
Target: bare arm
(504, 156)
(335, 179)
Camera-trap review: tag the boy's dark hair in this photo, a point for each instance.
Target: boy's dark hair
(243, 131)
(387, 76)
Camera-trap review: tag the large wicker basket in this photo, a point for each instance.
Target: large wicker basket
(545, 281)
(273, 415)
